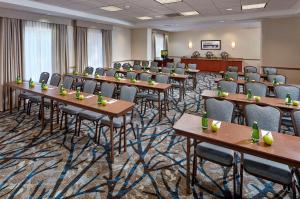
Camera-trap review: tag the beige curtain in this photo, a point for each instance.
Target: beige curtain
(60, 48)
(11, 58)
(81, 58)
(107, 48)
(166, 42)
(153, 46)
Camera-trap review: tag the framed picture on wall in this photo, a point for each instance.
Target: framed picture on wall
(210, 44)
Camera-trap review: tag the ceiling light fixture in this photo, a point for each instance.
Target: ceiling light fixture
(167, 1)
(254, 6)
(190, 13)
(144, 18)
(111, 8)
(229, 9)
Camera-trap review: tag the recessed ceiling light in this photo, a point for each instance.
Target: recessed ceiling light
(159, 16)
(254, 6)
(221, 21)
(144, 18)
(111, 8)
(190, 13)
(168, 1)
(229, 9)
(127, 6)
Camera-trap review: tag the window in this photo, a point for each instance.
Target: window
(95, 56)
(159, 44)
(37, 49)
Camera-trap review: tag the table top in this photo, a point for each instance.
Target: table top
(285, 148)
(114, 107)
(139, 83)
(242, 99)
(243, 82)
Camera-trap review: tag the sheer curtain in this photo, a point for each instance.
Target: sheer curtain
(37, 49)
(95, 55)
(159, 44)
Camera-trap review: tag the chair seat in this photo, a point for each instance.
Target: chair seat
(154, 97)
(72, 110)
(268, 169)
(25, 95)
(141, 95)
(216, 154)
(117, 122)
(90, 115)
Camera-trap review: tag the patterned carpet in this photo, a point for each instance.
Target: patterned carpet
(35, 164)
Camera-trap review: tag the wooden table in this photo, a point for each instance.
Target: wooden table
(242, 74)
(159, 87)
(241, 99)
(117, 109)
(238, 138)
(241, 82)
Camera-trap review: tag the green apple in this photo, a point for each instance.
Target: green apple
(85, 74)
(230, 79)
(151, 82)
(215, 126)
(225, 94)
(268, 139)
(133, 80)
(97, 76)
(257, 98)
(81, 97)
(64, 93)
(104, 102)
(295, 103)
(253, 81)
(76, 73)
(19, 81)
(45, 88)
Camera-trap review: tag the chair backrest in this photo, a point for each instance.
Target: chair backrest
(179, 71)
(250, 69)
(108, 89)
(232, 69)
(154, 69)
(170, 65)
(279, 78)
(221, 110)
(192, 66)
(253, 76)
(270, 71)
(162, 79)
(228, 86)
(89, 70)
(137, 67)
(282, 90)
(166, 70)
(128, 93)
(145, 76)
(257, 89)
(44, 76)
(233, 75)
(89, 86)
(100, 71)
(180, 65)
(55, 79)
(145, 63)
(154, 64)
(268, 118)
(68, 82)
(131, 75)
(126, 66)
(111, 72)
(296, 122)
(136, 62)
(117, 65)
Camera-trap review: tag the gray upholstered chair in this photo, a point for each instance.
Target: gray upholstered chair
(127, 94)
(221, 111)
(136, 62)
(88, 87)
(233, 75)
(296, 122)
(89, 70)
(145, 76)
(44, 77)
(142, 93)
(107, 90)
(250, 69)
(111, 72)
(68, 82)
(270, 71)
(170, 65)
(166, 70)
(282, 90)
(137, 67)
(180, 65)
(117, 65)
(252, 77)
(257, 89)
(232, 69)
(55, 79)
(126, 66)
(154, 64)
(154, 69)
(192, 66)
(279, 78)
(179, 71)
(228, 86)
(100, 71)
(268, 118)
(145, 63)
(131, 75)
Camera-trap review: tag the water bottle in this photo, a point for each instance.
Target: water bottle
(204, 120)
(255, 132)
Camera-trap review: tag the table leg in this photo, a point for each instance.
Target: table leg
(125, 143)
(165, 102)
(183, 88)
(195, 80)
(10, 99)
(51, 116)
(111, 126)
(42, 113)
(159, 108)
(188, 161)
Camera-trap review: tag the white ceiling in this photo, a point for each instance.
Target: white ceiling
(211, 11)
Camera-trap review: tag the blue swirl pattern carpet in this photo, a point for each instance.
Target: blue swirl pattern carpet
(35, 164)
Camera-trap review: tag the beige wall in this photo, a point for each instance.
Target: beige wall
(248, 42)
(139, 44)
(121, 44)
(281, 45)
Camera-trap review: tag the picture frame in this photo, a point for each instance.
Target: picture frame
(210, 44)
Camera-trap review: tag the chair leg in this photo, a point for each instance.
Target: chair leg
(66, 121)
(57, 114)
(96, 131)
(142, 102)
(294, 189)
(19, 104)
(120, 139)
(194, 174)
(77, 131)
(234, 178)
(24, 104)
(99, 134)
(61, 120)
(125, 144)
(241, 179)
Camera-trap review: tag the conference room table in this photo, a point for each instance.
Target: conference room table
(113, 109)
(158, 87)
(241, 99)
(242, 74)
(285, 148)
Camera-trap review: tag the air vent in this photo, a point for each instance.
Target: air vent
(173, 15)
